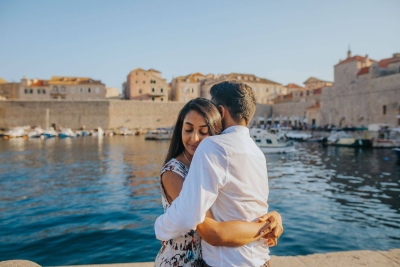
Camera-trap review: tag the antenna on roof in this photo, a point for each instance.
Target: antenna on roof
(349, 52)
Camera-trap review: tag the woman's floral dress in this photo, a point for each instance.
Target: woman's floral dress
(183, 251)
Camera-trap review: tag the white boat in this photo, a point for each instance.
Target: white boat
(67, 132)
(159, 134)
(298, 136)
(98, 132)
(15, 132)
(50, 133)
(386, 138)
(270, 143)
(124, 131)
(36, 132)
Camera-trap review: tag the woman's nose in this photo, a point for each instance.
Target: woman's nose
(195, 137)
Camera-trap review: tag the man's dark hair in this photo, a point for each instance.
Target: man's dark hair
(237, 97)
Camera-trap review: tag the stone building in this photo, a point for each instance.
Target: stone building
(186, 88)
(292, 87)
(9, 91)
(112, 93)
(145, 85)
(365, 91)
(314, 83)
(58, 87)
(264, 90)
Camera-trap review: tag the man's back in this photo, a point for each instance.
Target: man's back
(242, 196)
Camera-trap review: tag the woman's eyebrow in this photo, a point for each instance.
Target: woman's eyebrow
(193, 125)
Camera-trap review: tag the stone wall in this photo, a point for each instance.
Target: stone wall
(105, 114)
(70, 114)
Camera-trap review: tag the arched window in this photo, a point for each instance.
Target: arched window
(54, 90)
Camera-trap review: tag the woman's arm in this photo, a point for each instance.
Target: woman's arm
(239, 233)
(172, 184)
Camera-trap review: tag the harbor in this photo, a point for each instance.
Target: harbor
(91, 200)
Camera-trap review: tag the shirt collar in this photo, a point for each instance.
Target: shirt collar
(237, 129)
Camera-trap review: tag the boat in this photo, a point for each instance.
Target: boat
(36, 132)
(82, 133)
(159, 134)
(344, 139)
(15, 132)
(270, 143)
(386, 138)
(50, 133)
(397, 151)
(67, 132)
(98, 132)
(298, 136)
(123, 131)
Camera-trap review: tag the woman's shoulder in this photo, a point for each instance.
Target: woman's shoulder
(174, 165)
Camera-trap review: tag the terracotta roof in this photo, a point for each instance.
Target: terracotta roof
(72, 80)
(250, 78)
(355, 58)
(198, 74)
(385, 62)
(313, 78)
(154, 70)
(318, 105)
(364, 70)
(2, 80)
(39, 83)
(293, 86)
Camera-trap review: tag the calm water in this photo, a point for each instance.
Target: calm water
(89, 200)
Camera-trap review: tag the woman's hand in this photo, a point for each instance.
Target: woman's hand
(274, 229)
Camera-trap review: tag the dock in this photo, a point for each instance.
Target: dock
(359, 258)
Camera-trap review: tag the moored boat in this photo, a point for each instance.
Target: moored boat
(67, 132)
(15, 132)
(159, 134)
(50, 133)
(270, 143)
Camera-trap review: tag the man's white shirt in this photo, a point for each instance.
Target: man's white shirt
(229, 175)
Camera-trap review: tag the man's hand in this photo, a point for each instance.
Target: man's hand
(273, 227)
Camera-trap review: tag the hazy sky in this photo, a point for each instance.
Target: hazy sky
(285, 41)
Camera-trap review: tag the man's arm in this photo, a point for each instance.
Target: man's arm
(200, 190)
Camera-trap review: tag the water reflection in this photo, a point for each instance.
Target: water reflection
(94, 200)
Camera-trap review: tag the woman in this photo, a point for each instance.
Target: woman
(198, 119)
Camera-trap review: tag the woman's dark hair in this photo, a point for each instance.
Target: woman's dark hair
(237, 97)
(206, 109)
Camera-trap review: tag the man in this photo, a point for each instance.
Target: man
(228, 176)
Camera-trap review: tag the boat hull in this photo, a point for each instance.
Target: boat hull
(277, 150)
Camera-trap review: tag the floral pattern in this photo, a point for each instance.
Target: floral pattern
(184, 251)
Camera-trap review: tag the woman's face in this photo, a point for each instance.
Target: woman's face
(194, 130)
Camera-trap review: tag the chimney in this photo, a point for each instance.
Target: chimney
(396, 55)
(366, 60)
(349, 53)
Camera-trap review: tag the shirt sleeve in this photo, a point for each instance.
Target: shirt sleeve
(207, 174)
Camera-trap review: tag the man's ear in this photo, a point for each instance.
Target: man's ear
(222, 110)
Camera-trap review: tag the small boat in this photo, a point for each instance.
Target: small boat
(82, 133)
(386, 138)
(36, 132)
(270, 143)
(15, 132)
(159, 134)
(298, 136)
(341, 138)
(50, 133)
(397, 151)
(124, 131)
(67, 132)
(98, 132)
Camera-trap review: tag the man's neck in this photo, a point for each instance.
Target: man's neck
(229, 123)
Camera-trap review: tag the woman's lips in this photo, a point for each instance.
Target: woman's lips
(193, 147)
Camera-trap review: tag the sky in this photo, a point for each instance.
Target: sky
(284, 41)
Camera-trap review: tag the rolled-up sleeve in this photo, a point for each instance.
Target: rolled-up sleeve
(207, 175)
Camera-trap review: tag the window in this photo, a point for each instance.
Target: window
(44, 91)
(54, 90)
(152, 89)
(140, 91)
(38, 91)
(257, 140)
(89, 90)
(31, 91)
(26, 91)
(62, 89)
(152, 99)
(266, 89)
(72, 90)
(80, 90)
(162, 90)
(162, 99)
(136, 81)
(192, 90)
(136, 73)
(152, 81)
(144, 82)
(97, 90)
(268, 141)
(183, 90)
(144, 73)
(384, 109)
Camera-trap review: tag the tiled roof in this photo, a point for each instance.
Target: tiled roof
(293, 86)
(39, 83)
(313, 78)
(250, 78)
(154, 70)
(71, 80)
(385, 62)
(2, 80)
(355, 58)
(364, 70)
